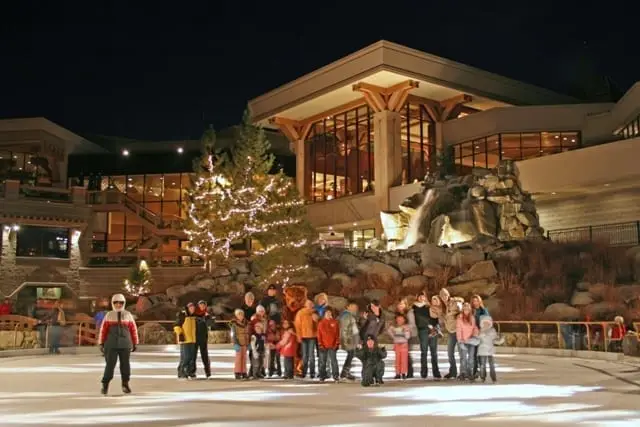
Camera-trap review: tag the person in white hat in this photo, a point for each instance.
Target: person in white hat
(118, 338)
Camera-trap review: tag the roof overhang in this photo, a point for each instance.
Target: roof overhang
(74, 143)
(385, 64)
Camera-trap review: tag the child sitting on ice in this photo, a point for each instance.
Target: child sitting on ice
(488, 338)
(372, 358)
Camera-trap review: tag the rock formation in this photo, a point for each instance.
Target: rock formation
(472, 210)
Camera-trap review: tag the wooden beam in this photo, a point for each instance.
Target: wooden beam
(448, 105)
(407, 84)
(391, 98)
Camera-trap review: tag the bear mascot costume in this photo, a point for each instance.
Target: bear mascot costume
(295, 297)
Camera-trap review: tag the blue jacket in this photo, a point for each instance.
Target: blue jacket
(478, 313)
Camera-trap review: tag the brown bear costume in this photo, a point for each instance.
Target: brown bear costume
(295, 297)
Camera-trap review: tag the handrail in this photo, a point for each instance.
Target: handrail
(45, 189)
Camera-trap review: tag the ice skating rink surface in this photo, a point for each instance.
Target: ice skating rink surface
(531, 391)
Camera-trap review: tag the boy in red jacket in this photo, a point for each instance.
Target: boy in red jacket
(288, 348)
(328, 343)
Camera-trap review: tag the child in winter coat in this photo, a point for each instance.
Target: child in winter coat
(466, 332)
(372, 358)
(288, 347)
(400, 334)
(240, 334)
(328, 344)
(616, 334)
(273, 338)
(258, 350)
(488, 338)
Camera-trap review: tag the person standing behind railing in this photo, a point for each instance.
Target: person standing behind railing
(57, 320)
(118, 338)
(616, 334)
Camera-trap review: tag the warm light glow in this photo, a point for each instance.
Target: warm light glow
(125, 152)
(180, 150)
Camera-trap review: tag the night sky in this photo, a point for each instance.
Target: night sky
(165, 72)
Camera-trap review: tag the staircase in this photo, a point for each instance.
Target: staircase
(117, 201)
(151, 242)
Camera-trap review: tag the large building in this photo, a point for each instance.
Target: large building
(77, 212)
(366, 128)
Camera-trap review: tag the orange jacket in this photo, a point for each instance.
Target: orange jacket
(329, 334)
(306, 323)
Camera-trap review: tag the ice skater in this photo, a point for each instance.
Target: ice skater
(118, 338)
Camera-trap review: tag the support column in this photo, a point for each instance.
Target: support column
(298, 149)
(8, 260)
(387, 149)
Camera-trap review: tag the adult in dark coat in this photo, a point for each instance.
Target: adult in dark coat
(272, 304)
(372, 357)
(118, 338)
(203, 324)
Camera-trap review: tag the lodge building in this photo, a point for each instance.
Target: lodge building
(358, 135)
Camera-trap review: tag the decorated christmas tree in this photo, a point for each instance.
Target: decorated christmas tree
(213, 221)
(237, 197)
(139, 280)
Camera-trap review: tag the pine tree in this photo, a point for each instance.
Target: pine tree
(212, 223)
(276, 224)
(139, 280)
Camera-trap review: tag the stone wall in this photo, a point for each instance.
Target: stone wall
(10, 340)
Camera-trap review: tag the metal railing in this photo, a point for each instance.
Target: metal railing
(621, 234)
(590, 336)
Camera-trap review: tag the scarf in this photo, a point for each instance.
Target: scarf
(435, 312)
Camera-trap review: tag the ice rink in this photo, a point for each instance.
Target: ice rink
(531, 391)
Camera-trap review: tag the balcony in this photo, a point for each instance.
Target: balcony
(43, 206)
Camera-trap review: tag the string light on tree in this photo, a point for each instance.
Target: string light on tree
(139, 281)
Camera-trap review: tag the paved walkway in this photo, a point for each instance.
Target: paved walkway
(532, 391)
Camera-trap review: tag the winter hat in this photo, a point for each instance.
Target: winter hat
(486, 322)
(444, 294)
(118, 298)
(202, 302)
(260, 309)
(272, 286)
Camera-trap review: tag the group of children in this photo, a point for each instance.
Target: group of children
(260, 338)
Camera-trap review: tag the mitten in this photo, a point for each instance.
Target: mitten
(134, 348)
(102, 348)
(236, 347)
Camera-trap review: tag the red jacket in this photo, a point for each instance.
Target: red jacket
(618, 332)
(288, 345)
(5, 308)
(329, 334)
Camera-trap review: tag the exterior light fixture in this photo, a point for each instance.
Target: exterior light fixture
(125, 152)
(553, 193)
(355, 224)
(180, 150)
(606, 185)
(15, 227)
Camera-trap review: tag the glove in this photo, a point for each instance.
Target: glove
(134, 348)
(102, 348)
(236, 347)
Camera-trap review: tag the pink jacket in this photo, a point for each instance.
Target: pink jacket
(465, 330)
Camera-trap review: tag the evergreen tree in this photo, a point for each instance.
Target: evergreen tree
(211, 223)
(275, 220)
(139, 280)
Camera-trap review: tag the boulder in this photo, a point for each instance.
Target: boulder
(344, 279)
(155, 334)
(143, 304)
(493, 306)
(219, 337)
(385, 272)
(241, 266)
(434, 256)
(337, 303)
(349, 262)
(376, 294)
(561, 311)
(311, 274)
(224, 306)
(163, 311)
(416, 282)
(581, 298)
(463, 257)
(480, 287)
(604, 310)
(408, 267)
(511, 254)
(175, 292)
(629, 293)
(481, 270)
(583, 286)
(432, 271)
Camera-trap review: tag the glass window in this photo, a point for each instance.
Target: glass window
(172, 187)
(117, 226)
(570, 140)
(135, 187)
(479, 154)
(338, 156)
(43, 242)
(133, 228)
(154, 187)
(493, 151)
(511, 146)
(185, 185)
(551, 143)
(531, 145)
